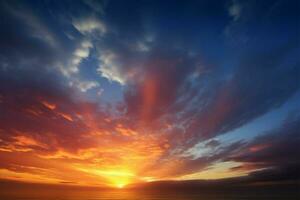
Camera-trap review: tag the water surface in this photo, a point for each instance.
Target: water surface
(124, 194)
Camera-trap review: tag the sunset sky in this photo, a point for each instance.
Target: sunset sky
(109, 93)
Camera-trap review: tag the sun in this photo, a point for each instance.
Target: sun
(120, 185)
(118, 179)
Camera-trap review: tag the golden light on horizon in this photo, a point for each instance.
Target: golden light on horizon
(120, 182)
(120, 185)
(115, 178)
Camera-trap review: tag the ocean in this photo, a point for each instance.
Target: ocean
(123, 194)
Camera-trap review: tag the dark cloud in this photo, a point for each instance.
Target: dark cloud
(158, 90)
(182, 90)
(25, 40)
(193, 116)
(257, 86)
(191, 165)
(276, 153)
(212, 143)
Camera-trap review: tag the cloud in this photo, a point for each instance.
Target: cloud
(58, 116)
(80, 53)
(71, 68)
(163, 94)
(21, 44)
(98, 6)
(89, 25)
(235, 10)
(110, 68)
(273, 154)
(87, 85)
(27, 51)
(36, 25)
(181, 166)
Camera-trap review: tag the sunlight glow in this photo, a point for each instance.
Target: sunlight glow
(115, 178)
(120, 185)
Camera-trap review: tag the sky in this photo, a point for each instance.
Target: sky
(119, 92)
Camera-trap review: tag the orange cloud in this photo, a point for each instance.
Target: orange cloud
(258, 147)
(66, 116)
(48, 105)
(125, 131)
